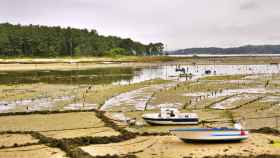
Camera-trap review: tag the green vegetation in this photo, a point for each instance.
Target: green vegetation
(76, 76)
(224, 77)
(43, 41)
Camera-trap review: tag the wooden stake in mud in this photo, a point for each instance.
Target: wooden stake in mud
(276, 121)
(84, 100)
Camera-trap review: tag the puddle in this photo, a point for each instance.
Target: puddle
(32, 104)
(165, 105)
(5, 106)
(78, 106)
(238, 81)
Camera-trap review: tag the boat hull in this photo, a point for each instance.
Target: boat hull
(210, 134)
(156, 121)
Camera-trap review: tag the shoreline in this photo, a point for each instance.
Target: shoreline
(225, 55)
(26, 64)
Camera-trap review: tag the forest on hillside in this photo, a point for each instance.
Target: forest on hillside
(44, 41)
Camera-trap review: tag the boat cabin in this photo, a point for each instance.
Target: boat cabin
(174, 113)
(171, 116)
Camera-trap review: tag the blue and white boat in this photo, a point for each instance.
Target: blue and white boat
(210, 134)
(171, 116)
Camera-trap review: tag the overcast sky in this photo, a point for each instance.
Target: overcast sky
(177, 23)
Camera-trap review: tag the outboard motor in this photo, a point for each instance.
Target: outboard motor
(207, 72)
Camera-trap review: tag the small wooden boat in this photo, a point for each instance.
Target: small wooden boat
(171, 116)
(210, 134)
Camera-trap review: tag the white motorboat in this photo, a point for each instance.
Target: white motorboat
(210, 134)
(171, 116)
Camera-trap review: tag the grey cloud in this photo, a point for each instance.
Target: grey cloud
(178, 23)
(249, 5)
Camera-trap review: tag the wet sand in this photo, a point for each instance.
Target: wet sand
(41, 151)
(172, 147)
(9, 140)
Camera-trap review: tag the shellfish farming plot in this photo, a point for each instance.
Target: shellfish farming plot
(135, 100)
(261, 113)
(35, 90)
(61, 125)
(40, 97)
(219, 101)
(240, 91)
(35, 97)
(188, 94)
(51, 129)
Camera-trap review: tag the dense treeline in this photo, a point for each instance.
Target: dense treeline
(249, 49)
(43, 41)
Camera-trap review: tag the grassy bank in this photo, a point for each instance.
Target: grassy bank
(20, 64)
(199, 60)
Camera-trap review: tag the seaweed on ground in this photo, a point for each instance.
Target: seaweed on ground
(267, 130)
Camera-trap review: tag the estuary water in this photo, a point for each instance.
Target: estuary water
(127, 75)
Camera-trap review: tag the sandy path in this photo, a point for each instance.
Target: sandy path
(136, 99)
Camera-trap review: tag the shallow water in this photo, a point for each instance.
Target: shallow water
(79, 106)
(32, 104)
(168, 71)
(225, 55)
(126, 75)
(76, 76)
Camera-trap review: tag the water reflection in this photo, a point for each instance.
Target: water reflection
(168, 71)
(126, 75)
(88, 76)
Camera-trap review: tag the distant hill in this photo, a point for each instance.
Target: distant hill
(248, 49)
